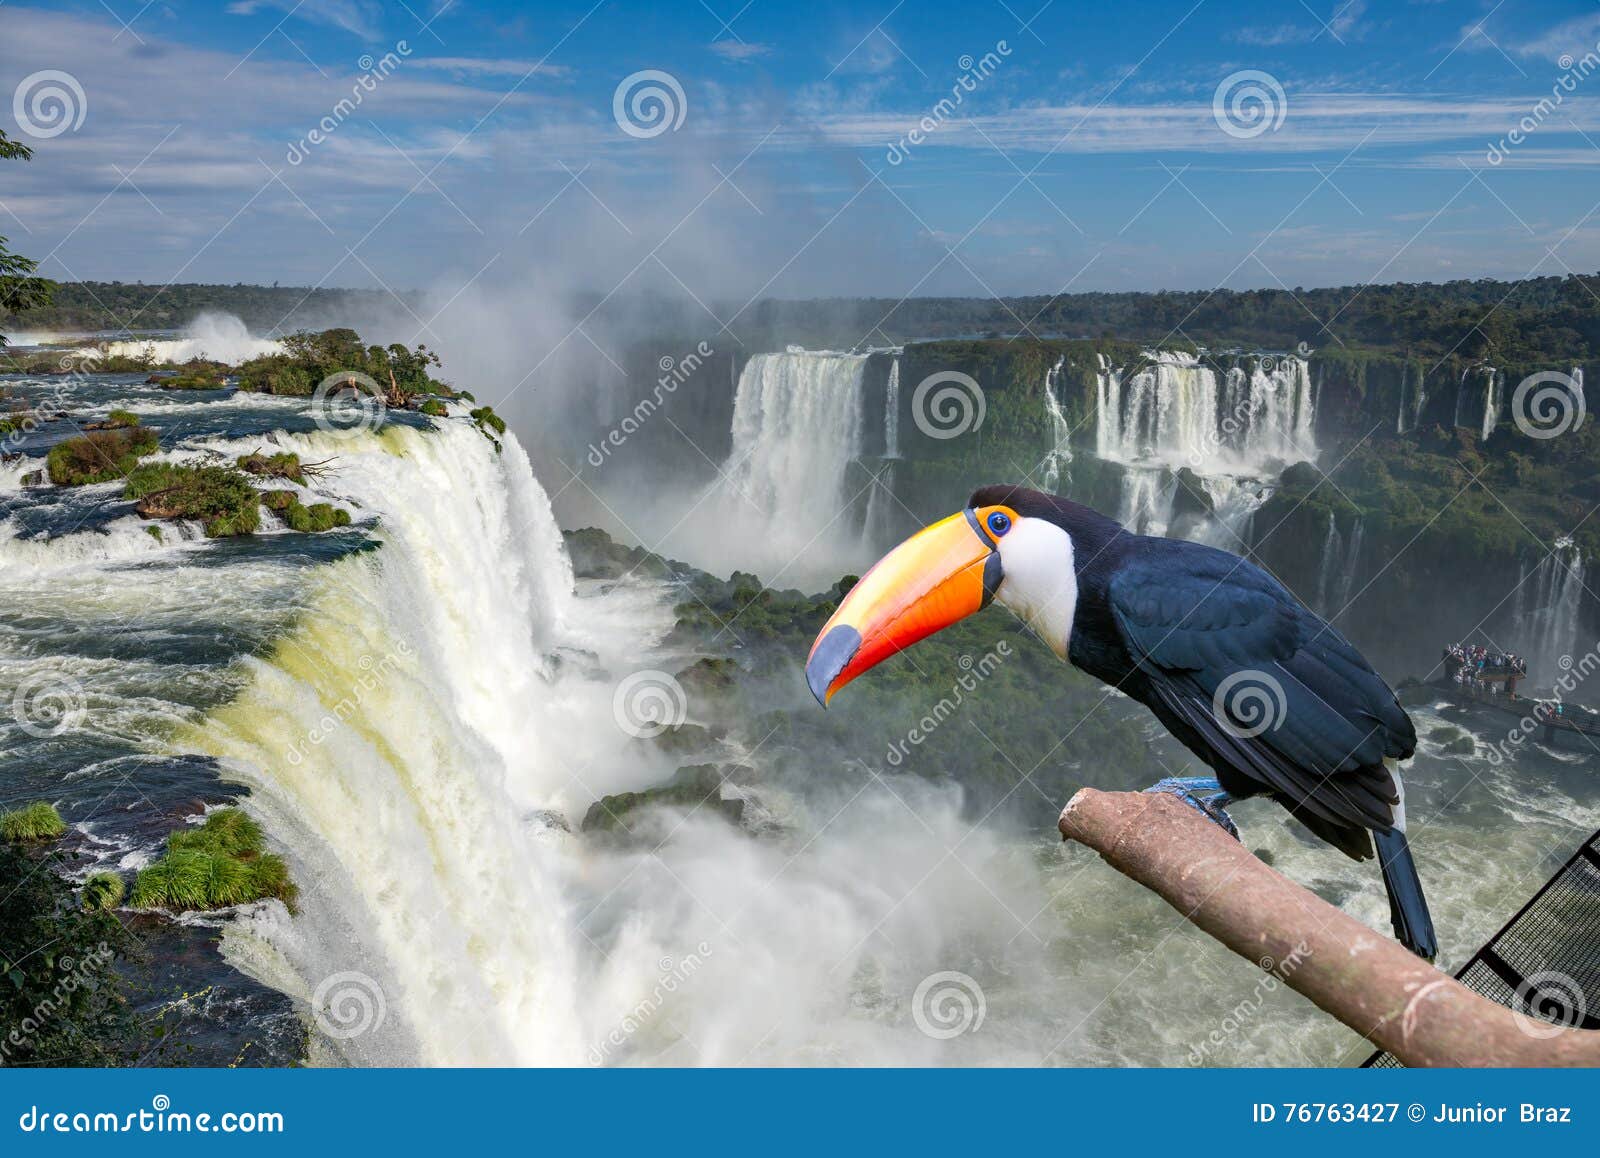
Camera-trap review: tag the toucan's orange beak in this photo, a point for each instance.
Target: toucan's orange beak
(941, 574)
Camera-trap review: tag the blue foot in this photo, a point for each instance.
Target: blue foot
(1204, 795)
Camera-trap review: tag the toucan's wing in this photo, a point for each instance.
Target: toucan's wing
(1270, 688)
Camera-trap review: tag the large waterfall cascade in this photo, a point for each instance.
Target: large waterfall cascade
(1235, 431)
(1059, 456)
(1548, 604)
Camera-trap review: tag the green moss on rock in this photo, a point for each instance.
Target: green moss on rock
(221, 498)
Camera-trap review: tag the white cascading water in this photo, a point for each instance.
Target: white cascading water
(1548, 605)
(891, 412)
(214, 336)
(1235, 434)
(1479, 399)
(783, 506)
(1339, 566)
(1059, 455)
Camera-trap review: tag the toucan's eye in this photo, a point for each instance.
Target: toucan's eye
(999, 522)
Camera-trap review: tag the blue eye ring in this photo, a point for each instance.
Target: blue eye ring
(999, 522)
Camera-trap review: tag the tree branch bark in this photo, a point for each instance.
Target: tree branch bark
(1368, 981)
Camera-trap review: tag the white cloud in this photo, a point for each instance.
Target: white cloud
(364, 18)
(489, 66)
(740, 49)
(1574, 37)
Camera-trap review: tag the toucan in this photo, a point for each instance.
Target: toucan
(1254, 683)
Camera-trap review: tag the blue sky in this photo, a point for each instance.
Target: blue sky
(1090, 148)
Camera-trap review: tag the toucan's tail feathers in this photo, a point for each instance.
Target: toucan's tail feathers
(1408, 908)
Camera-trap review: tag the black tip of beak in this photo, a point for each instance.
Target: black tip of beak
(832, 655)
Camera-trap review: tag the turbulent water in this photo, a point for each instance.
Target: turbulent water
(415, 703)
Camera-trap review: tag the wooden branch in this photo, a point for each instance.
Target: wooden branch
(1368, 981)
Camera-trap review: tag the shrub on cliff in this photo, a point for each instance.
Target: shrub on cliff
(100, 456)
(102, 891)
(62, 969)
(36, 821)
(221, 498)
(221, 863)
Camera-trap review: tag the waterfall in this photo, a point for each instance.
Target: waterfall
(1236, 432)
(1480, 410)
(1547, 611)
(1400, 411)
(1331, 550)
(1173, 409)
(1348, 569)
(1147, 494)
(891, 412)
(1060, 453)
(783, 505)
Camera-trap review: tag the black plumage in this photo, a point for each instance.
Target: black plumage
(1173, 623)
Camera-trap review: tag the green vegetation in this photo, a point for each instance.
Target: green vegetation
(218, 864)
(36, 821)
(204, 380)
(433, 408)
(309, 358)
(122, 419)
(221, 498)
(100, 456)
(61, 1000)
(20, 290)
(317, 517)
(485, 416)
(102, 891)
(284, 466)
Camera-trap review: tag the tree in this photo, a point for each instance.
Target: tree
(19, 288)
